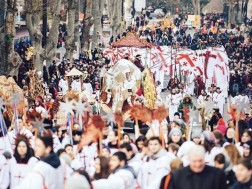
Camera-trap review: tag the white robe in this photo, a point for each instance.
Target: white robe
(244, 99)
(136, 163)
(154, 169)
(87, 157)
(88, 88)
(63, 85)
(5, 144)
(191, 84)
(13, 173)
(76, 85)
(44, 176)
(25, 132)
(121, 179)
(201, 99)
(3, 162)
(56, 143)
(219, 100)
(173, 102)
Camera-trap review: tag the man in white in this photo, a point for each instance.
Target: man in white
(87, 157)
(156, 166)
(122, 176)
(20, 130)
(202, 97)
(219, 99)
(76, 85)
(50, 172)
(63, 85)
(88, 90)
(191, 84)
(242, 98)
(173, 102)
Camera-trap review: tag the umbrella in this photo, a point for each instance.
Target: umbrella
(122, 67)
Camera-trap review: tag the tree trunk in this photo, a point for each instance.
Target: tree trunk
(33, 13)
(10, 60)
(97, 10)
(87, 23)
(115, 15)
(70, 30)
(53, 32)
(231, 14)
(196, 6)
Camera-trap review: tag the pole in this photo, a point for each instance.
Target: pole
(44, 30)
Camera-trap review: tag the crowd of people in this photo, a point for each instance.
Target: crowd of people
(169, 154)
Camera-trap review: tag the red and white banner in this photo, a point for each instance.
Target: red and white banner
(211, 63)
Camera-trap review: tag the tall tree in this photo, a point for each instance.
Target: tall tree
(196, 6)
(97, 11)
(72, 27)
(116, 17)
(88, 21)
(33, 14)
(10, 60)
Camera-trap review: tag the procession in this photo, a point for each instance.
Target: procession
(125, 94)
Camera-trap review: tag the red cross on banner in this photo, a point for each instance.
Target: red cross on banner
(220, 57)
(194, 59)
(207, 56)
(186, 57)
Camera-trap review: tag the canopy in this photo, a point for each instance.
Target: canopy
(74, 72)
(122, 67)
(132, 40)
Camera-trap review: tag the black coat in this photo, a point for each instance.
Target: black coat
(209, 178)
(239, 185)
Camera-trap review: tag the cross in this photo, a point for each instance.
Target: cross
(184, 64)
(19, 177)
(194, 58)
(207, 56)
(84, 157)
(187, 57)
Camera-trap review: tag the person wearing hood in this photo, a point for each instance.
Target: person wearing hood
(221, 126)
(157, 165)
(50, 172)
(222, 162)
(122, 176)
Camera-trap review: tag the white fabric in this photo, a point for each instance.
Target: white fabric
(5, 144)
(219, 100)
(3, 162)
(209, 157)
(87, 156)
(173, 102)
(44, 175)
(76, 85)
(56, 143)
(13, 173)
(88, 88)
(63, 85)
(154, 170)
(191, 85)
(122, 179)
